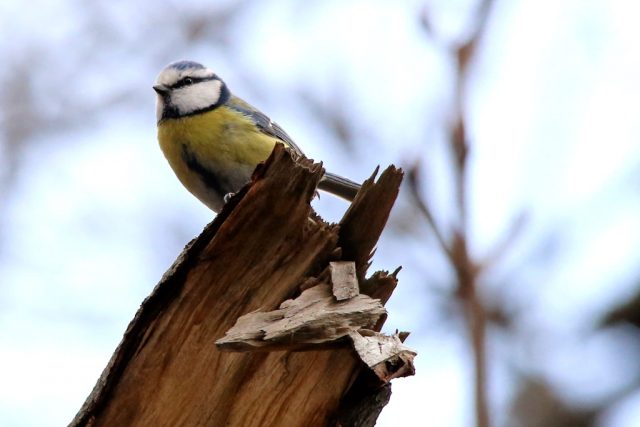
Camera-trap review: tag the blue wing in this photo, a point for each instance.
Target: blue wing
(263, 122)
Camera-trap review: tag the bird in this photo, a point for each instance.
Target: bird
(213, 140)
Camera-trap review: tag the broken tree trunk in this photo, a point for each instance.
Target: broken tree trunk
(266, 246)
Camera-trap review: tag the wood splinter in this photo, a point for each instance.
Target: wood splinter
(344, 280)
(385, 355)
(322, 315)
(315, 317)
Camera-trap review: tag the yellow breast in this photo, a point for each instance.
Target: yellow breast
(225, 147)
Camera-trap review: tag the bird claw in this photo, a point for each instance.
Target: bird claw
(228, 196)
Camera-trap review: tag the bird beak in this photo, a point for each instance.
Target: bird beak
(161, 89)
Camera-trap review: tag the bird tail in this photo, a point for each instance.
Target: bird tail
(339, 186)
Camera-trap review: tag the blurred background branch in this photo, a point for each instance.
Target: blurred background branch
(467, 270)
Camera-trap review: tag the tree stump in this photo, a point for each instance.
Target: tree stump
(265, 248)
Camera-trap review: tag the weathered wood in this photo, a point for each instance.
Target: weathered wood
(343, 279)
(386, 355)
(315, 317)
(256, 254)
(368, 402)
(366, 217)
(319, 317)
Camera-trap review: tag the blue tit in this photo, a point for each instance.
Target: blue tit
(213, 140)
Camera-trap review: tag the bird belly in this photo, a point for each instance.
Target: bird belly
(213, 153)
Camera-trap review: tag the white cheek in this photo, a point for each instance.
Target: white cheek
(188, 99)
(159, 107)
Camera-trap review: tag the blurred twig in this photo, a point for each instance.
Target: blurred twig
(457, 247)
(500, 248)
(415, 187)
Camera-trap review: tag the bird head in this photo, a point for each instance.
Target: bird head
(186, 88)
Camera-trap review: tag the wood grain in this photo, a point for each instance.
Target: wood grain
(264, 244)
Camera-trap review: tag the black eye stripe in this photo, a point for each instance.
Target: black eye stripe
(189, 80)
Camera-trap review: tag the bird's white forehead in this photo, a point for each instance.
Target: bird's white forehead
(171, 75)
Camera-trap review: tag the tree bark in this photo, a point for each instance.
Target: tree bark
(265, 246)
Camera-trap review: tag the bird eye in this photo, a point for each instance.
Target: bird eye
(187, 80)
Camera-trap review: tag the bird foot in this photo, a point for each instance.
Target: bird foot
(228, 196)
